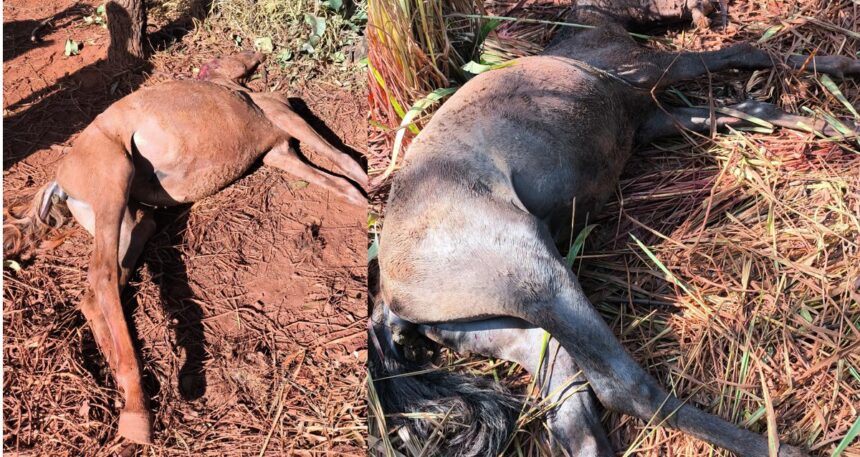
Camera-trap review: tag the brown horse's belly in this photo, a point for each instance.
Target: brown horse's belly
(186, 169)
(189, 139)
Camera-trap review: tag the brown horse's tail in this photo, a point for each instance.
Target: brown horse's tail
(28, 221)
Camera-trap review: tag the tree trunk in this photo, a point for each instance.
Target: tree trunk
(126, 20)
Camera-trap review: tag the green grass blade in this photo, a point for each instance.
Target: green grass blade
(576, 247)
(769, 33)
(683, 97)
(849, 437)
(669, 276)
(834, 89)
(741, 115)
(838, 125)
(544, 345)
(487, 28)
(394, 103)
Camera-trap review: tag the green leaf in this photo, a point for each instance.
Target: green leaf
(264, 45)
(849, 437)
(806, 315)
(318, 28)
(413, 112)
(334, 5)
(317, 24)
(476, 68)
(101, 10)
(373, 250)
(338, 57)
(15, 266)
(834, 89)
(769, 33)
(283, 58)
(360, 17)
(73, 48)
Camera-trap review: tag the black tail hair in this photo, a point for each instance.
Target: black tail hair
(473, 416)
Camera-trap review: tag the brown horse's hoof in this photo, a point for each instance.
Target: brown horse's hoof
(135, 426)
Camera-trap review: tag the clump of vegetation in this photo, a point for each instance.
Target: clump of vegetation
(405, 66)
(449, 43)
(299, 35)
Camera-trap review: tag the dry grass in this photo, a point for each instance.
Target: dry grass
(751, 300)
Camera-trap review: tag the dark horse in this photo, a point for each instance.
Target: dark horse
(468, 255)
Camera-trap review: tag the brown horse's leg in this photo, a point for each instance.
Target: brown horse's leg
(98, 173)
(137, 228)
(83, 213)
(299, 129)
(284, 158)
(134, 420)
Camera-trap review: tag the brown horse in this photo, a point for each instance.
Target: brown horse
(161, 146)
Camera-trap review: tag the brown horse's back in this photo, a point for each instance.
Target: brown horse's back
(188, 139)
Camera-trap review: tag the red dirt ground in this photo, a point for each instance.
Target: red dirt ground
(260, 287)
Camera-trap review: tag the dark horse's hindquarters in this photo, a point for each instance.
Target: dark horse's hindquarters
(472, 223)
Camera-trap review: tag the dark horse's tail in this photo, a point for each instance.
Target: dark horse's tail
(453, 414)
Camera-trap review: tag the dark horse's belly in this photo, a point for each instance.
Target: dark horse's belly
(543, 132)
